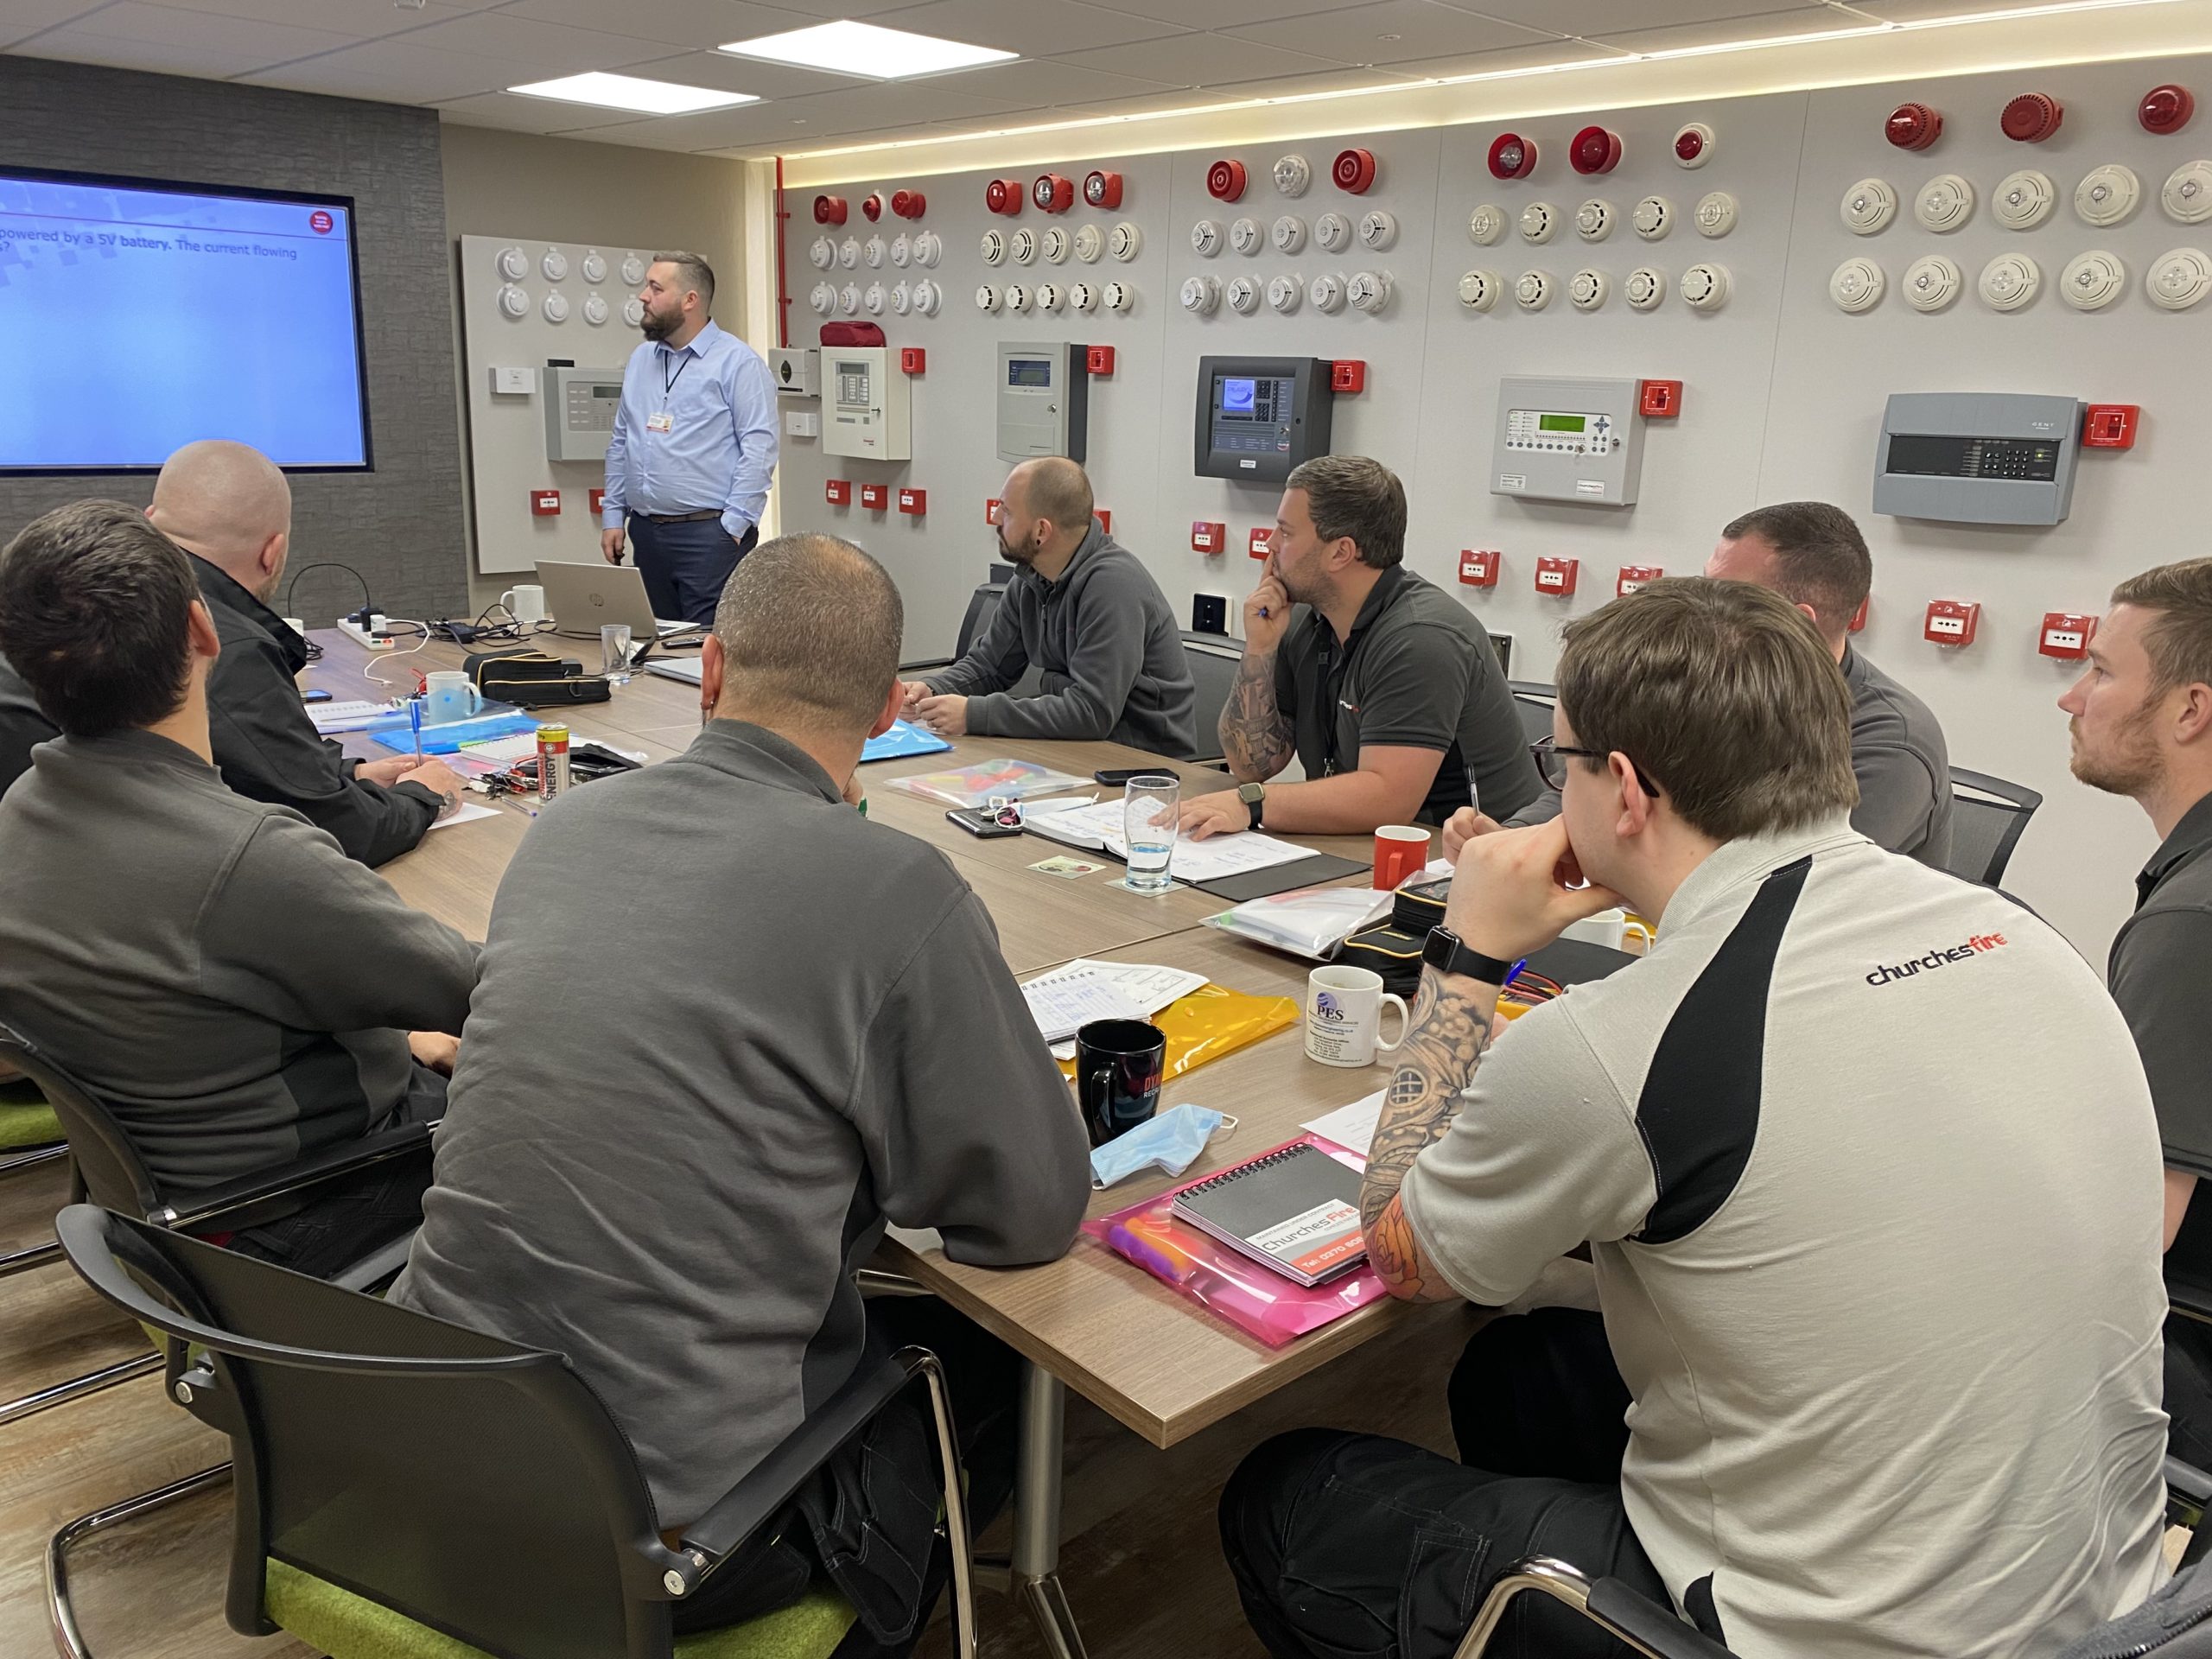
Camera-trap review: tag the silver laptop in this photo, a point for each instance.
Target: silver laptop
(583, 598)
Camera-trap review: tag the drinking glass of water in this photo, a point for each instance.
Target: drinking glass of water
(1150, 812)
(615, 651)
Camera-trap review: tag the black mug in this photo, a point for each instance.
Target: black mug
(1118, 1067)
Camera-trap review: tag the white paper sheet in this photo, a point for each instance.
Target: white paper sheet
(1351, 1127)
(355, 716)
(1149, 989)
(1099, 825)
(1067, 999)
(467, 812)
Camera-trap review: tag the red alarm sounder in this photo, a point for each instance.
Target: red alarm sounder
(1354, 171)
(1595, 149)
(1913, 127)
(829, 210)
(872, 205)
(1102, 189)
(1003, 196)
(2167, 109)
(1225, 181)
(2032, 117)
(1512, 157)
(908, 204)
(1053, 193)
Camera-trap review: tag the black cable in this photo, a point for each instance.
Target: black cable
(290, 587)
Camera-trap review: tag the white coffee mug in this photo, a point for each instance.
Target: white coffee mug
(1609, 927)
(449, 696)
(526, 605)
(1344, 1016)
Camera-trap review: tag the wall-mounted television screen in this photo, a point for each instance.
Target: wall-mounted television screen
(136, 316)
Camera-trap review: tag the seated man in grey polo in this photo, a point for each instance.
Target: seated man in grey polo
(1085, 614)
(670, 1175)
(1869, 1175)
(1382, 685)
(228, 983)
(2142, 728)
(21, 726)
(231, 509)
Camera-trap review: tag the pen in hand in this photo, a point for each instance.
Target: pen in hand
(415, 723)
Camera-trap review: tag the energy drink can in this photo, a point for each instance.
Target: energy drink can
(552, 761)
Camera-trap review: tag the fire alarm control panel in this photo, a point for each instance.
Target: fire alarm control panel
(580, 405)
(1259, 416)
(868, 406)
(797, 370)
(1044, 393)
(1568, 440)
(1978, 457)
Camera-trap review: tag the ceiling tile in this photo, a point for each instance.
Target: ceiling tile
(1592, 18)
(1913, 11)
(254, 43)
(1223, 14)
(347, 17)
(549, 48)
(1391, 31)
(397, 71)
(725, 73)
(1034, 28)
(830, 10)
(21, 19)
(1513, 58)
(1198, 60)
(1199, 98)
(530, 114)
(704, 23)
(1766, 26)
(1037, 82)
(708, 129)
(893, 104)
(71, 45)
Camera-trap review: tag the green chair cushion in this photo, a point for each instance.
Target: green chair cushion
(347, 1626)
(26, 1122)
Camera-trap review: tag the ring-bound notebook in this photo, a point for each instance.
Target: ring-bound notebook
(1295, 1210)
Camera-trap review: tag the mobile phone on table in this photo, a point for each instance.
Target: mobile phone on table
(315, 697)
(1116, 778)
(982, 822)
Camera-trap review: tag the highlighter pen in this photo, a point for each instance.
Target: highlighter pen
(415, 722)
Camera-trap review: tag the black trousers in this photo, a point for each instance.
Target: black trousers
(1355, 1547)
(2189, 1390)
(983, 1377)
(347, 1220)
(686, 565)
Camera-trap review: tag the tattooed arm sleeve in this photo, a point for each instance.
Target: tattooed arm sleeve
(1451, 1025)
(1256, 736)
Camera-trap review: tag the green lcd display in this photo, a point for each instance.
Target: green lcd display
(1560, 423)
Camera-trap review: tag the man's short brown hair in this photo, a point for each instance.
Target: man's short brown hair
(2179, 638)
(95, 614)
(692, 270)
(810, 628)
(1723, 696)
(1821, 558)
(1351, 495)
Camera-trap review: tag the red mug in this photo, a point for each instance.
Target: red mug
(1401, 850)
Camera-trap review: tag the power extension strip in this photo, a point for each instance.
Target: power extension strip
(361, 635)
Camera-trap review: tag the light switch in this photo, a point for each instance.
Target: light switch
(511, 383)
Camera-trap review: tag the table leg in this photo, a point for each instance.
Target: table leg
(1037, 1513)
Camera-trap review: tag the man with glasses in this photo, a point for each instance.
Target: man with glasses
(1876, 1371)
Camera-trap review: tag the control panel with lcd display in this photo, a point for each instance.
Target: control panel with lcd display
(868, 406)
(580, 405)
(1259, 416)
(1562, 440)
(1978, 457)
(1044, 399)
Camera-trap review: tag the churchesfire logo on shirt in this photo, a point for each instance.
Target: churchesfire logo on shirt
(1937, 958)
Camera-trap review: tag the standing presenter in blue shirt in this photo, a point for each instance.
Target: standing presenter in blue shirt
(694, 446)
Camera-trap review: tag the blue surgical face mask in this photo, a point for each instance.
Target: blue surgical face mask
(1169, 1142)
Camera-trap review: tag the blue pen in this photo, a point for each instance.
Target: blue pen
(414, 721)
(1514, 972)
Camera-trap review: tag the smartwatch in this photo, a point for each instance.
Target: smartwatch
(1448, 953)
(1255, 797)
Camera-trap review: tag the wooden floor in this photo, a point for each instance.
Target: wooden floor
(1141, 1562)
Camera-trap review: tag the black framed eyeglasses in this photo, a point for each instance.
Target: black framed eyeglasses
(1551, 757)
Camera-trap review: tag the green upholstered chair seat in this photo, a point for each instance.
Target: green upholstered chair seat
(347, 1626)
(25, 1118)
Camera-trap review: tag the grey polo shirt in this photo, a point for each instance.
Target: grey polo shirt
(2160, 967)
(1105, 646)
(728, 1027)
(22, 724)
(234, 989)
(1417, 672)
(1871, 1179)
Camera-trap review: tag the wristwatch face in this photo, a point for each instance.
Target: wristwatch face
(1249, 793)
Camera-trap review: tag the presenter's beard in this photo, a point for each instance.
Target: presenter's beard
(653, 326)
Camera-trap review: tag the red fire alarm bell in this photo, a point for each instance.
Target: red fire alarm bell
(1349, 375)
(875, 496)
(1053, 193)
(1259, 540)
(1102, 189)
(1354, 171)
(1659, 400)
(829, 210)
(1225, 181)
(2032, 117)
(909, 204)
(1098, 359)
(1206, 537)
(1951, 622)
(914, 503)
(838, 492)
(546, 504)
(598, 502)
(1003, 196)
(1479, 567)
(2110, 426)
(872, 206)
(1512, 157)
(1556, 576)
(1858, 616)
(1913, 127)
(1595, 149)
(2167, 109)
(913, 359)
(1633, 576)
(2066, 635)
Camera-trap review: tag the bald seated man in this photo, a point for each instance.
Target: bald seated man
(1086, 616)
(230, 508)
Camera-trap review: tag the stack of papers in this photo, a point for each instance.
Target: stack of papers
(972, 786)
(1076, 993)
(1351, 1127)
(333, 717)
(1099, 825)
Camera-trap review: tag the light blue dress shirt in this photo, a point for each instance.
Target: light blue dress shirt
(696, 428)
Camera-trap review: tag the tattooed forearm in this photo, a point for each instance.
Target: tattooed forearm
(1255, 735)
(1443, 1048)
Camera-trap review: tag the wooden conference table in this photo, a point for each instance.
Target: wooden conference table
(1091, 1321)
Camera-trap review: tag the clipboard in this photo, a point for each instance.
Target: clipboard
(1279, 878)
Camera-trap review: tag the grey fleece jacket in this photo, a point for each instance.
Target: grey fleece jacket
(1106, 645)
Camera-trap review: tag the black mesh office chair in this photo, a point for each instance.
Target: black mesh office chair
(1987, 818)
(2162, 1626)
(30, 1138)
(1533, 701)
(1213, 662)
(406, 1483)
(107, 1168)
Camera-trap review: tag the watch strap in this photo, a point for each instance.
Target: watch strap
(1448, 954)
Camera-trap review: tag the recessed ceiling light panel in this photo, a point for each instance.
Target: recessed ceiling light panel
(866, 49)
(630, 93)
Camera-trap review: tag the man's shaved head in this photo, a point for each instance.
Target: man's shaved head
(1054, 487)
(228, 502)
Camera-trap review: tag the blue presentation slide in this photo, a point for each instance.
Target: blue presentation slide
(134, 321)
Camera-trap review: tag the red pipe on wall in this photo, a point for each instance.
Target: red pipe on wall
(783, 299)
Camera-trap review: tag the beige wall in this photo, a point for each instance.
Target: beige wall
(518, 185)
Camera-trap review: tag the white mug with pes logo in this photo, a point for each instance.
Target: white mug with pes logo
(1344, 1016)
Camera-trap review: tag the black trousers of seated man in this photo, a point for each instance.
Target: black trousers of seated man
(1358, 1547)
(883, 1489)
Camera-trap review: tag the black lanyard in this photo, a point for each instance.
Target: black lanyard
(667, 381)
(1333, 689)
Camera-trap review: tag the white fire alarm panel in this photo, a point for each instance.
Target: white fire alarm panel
(1044, 399)
(868, 406)
(1567, 440)
(580, 405)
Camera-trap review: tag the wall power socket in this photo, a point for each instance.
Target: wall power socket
(1208, 613)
